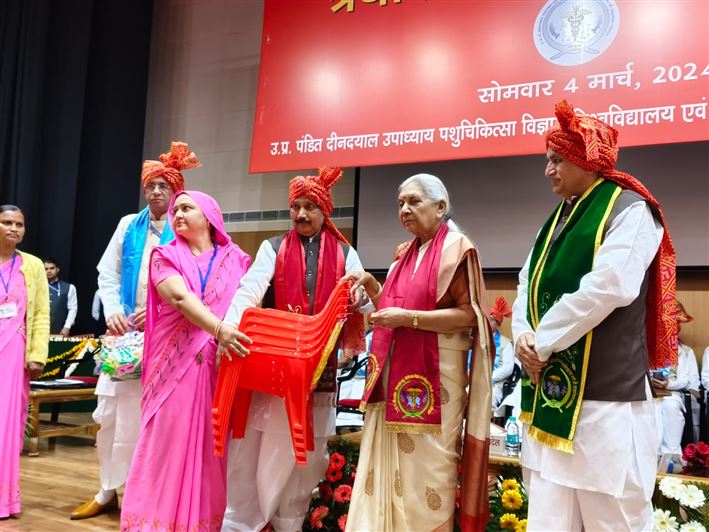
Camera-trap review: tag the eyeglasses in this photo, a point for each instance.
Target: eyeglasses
(162, 187)
(309, 207)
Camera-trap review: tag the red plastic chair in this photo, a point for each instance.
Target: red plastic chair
(287, 358)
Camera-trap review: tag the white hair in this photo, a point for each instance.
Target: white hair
(434, 190)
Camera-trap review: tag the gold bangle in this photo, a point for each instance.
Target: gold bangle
(415, 320)
(216, 330)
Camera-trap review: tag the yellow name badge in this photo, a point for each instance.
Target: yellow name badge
(8, 310)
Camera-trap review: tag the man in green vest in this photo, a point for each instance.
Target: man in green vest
(594, 312)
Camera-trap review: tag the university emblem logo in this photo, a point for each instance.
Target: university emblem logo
(558, 386)
(413, 396)
(573, 32)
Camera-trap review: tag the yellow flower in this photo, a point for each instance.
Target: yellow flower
(508, 521)
(511, 500)
(521, 526)
(510, 484)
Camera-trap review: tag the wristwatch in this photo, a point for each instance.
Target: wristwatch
(415, 320)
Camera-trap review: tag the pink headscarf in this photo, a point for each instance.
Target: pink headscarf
(179, 253)
(212, 212)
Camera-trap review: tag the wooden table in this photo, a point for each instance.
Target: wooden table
(53, 428)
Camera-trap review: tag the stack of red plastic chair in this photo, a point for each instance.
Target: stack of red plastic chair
(287, 357)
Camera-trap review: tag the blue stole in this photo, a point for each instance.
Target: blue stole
(498, 353)
(132, 256)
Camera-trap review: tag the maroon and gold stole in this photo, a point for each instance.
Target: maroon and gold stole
(413, 389)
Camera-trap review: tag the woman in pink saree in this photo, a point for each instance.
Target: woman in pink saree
(175, 481)
(24, 337)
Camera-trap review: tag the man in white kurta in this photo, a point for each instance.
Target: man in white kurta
(118, 402)
(606, 482)
(671, 408)
(619, 438)
(264, 484)
(502, 369)
(704, 423)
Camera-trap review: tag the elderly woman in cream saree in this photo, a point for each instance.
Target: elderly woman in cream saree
(417, 390)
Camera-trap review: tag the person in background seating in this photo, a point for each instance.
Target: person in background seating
(504, 364)
(62, 300)
(670, 383)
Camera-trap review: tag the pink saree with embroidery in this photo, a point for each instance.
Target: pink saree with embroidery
(175, 481)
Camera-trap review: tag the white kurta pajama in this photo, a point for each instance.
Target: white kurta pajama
(118, 403)
(670, 409)
(607, 483)
(503, 371)
(264, 484)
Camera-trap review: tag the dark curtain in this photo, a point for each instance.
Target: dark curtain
(73, 84)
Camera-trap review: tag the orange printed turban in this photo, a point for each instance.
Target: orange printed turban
(593, 145)
(500, 310)
(317, 189)
(170, 166)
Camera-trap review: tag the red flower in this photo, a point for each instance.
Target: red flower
(333, 475)
(342, 522)
(690, 451)
(317, 515)
(337, 461)
(343, 493)
(325, 492)
(703, 448)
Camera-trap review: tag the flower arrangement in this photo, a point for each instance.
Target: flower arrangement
(696, 459)
(331, 498)
(508, 503)
(680, 506)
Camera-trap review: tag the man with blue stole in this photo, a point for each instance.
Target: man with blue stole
(594, 312)
(122, 287)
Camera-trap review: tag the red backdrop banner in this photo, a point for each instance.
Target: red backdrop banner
(369, 82)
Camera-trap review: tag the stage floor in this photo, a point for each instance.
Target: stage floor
(56, 482)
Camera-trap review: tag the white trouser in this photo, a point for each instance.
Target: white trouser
(669, 414)
(119, 417)
(264, 484)
(553, 507)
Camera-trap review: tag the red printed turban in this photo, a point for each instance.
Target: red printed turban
(170, 166)
(584, 140)
(681, 315)
(317, 189)
(593, 145)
